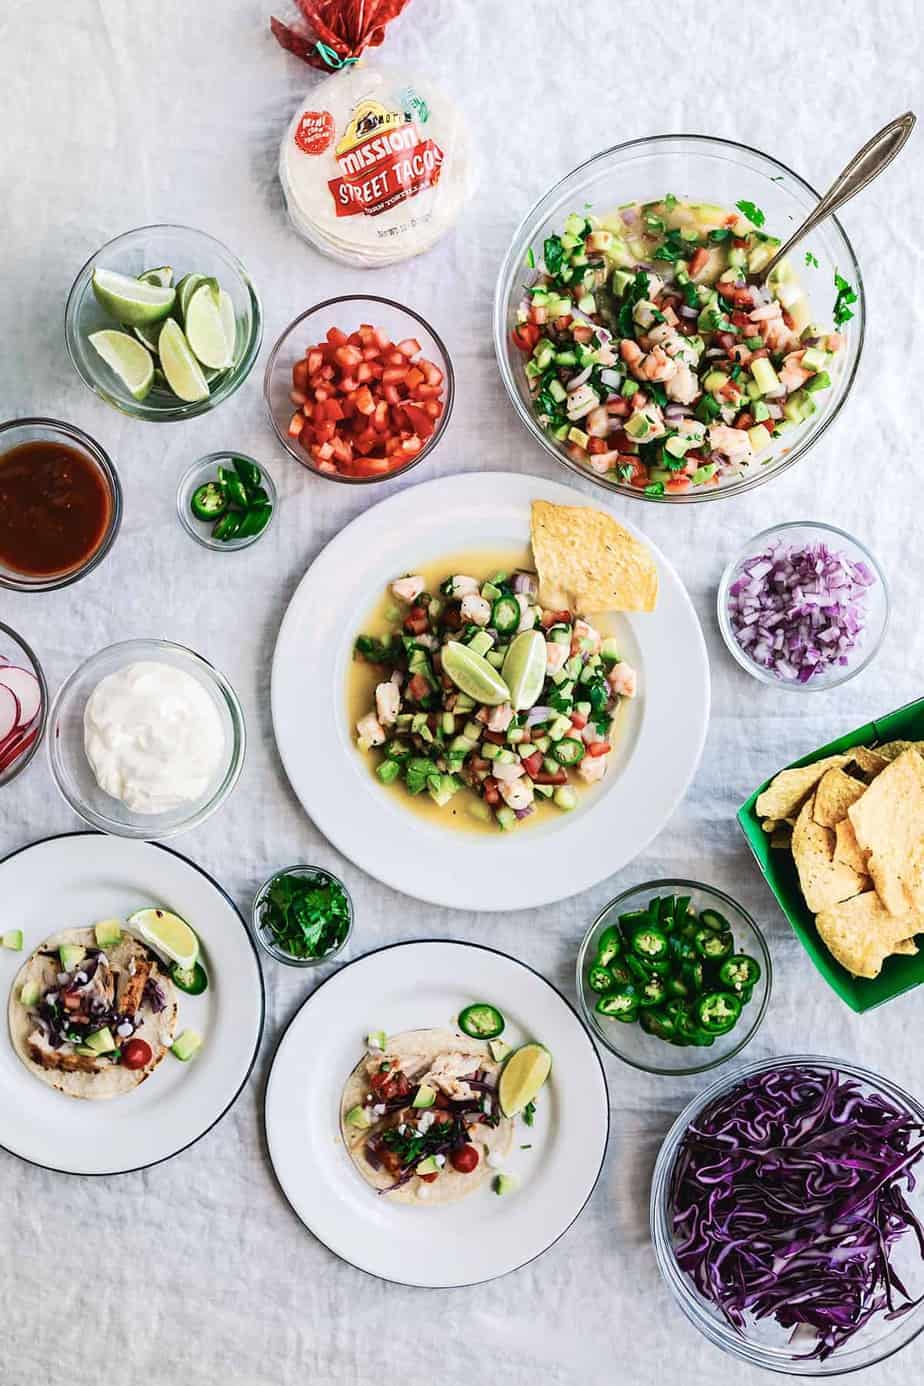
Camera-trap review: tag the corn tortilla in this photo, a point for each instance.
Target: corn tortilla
(889, 823)
(587, 562)
(861, 933)
(786, 791)
(835, 793)
(824, 881)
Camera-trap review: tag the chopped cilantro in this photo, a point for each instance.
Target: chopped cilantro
(624, 471)
(530, 258)
(657, 392)
(526, 1147)
(753, 214)
(719, 234)
(670, 201)
(655, 488)
(306, 916)
(845, 295)
(810, 259)
(776, 178)
(553, 253)
(529, 1113)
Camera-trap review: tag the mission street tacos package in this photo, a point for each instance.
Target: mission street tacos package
(375, 165)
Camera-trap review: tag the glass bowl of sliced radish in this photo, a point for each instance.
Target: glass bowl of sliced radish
(163, 323)
(23, 704)
(803, 606)
(359, 389)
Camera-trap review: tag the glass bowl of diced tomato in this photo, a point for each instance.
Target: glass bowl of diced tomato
(359, 388)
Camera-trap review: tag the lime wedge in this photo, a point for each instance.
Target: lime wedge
(228, 322)
(474, 675)
(182, 370)
(205, 329)
(149, 335)
(163, 276)
(127, 358)
(524, 669)
(131, 301)
(167, 934)
(185, 290)
(522, 1076)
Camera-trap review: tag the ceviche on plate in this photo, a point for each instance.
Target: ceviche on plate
(496, 683)
(655, 357)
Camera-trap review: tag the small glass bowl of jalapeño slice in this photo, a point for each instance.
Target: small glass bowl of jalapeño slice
(226, 501)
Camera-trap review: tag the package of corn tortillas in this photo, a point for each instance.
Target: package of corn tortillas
(375, 165)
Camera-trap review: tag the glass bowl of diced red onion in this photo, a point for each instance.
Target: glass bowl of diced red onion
(803, 606)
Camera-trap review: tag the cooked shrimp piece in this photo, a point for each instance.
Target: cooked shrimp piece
(475, 609)
(683, 386)
(657, 365)
(461, 586)
(765, 312)
(370, 731)
(496, 719)
(631, 353)
(556, 656)
(583, 630)
(592, 768)
(517, 794)
(792, 374)
(733, 442)
(408, 589)
(527, 612)
(623, 679)
(597, 422)
(387, 703)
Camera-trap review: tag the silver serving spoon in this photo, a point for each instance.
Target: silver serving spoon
(865, 165)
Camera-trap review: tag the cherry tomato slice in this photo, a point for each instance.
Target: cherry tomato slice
(464, 1158)
(136, 1053)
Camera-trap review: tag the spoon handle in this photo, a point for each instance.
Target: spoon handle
(865, 165)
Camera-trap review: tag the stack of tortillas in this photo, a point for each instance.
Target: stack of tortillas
(375, 166)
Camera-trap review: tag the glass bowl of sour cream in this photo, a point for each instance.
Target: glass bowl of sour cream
(146, 739)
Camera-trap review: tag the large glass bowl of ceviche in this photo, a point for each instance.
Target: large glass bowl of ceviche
(635, 344)
(359, 388)
(674, 977)
(786, 1214)
(163, 323)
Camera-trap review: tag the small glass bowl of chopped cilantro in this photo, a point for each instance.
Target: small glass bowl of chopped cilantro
(303, 915)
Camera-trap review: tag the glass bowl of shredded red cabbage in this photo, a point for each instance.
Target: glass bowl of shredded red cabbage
(786, 1214)
(804, 606)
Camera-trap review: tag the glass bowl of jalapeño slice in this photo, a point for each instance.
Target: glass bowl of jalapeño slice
(226, 501)
(674, 977)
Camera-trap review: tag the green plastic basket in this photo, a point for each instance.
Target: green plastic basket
(899, 974)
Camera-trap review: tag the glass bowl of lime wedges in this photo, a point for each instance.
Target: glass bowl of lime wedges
(163, 323)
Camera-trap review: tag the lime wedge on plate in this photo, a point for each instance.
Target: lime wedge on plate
(522, 1076)
(205, 328)
(127, 358)
(474, 675)
(131, 301)
(163, 276)
(183, 372)
(524, 669)
(185, 290)
(167, 934)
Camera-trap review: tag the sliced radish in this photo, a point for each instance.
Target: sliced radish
(14, 747)
(24, 686)
(9, 713)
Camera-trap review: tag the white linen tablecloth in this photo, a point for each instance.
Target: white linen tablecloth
(116, 115)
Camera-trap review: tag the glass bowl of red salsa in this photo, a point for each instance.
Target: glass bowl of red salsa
(60, 504)
(359, 389)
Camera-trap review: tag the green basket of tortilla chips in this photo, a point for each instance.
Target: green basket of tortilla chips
(839, 837)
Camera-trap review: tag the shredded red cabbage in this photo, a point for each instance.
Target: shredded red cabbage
(799, 612)
(787, 1198)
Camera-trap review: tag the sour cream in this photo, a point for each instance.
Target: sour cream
(153, 737)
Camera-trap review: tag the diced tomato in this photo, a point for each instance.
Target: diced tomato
(417, 688)
(409, 347)
(296, 424)
(533, 764)
(697, 261)
(578, 721)
(525, 335)
(556, 618)
(496, 738)
(598, 748)
(300, 375)
(597, 445)
(419, 420)
(583, 333)
(676, 484)
(336, 338)
(547, 777)
(491, 791)
(314, 360)
(416, 621)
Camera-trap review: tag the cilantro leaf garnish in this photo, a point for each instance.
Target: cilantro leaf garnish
(530, 258)
(810, 259)
(753, 214)
(529, 1113)
(306, 916)
(655, 488)
(846, 294)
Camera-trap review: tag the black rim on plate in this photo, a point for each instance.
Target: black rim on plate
(150, 1164)
(482, 948)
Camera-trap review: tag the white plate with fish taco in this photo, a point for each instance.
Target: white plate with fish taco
(436, 1114)
(134, 1003)
(503, 675)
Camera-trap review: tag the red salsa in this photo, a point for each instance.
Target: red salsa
(55, 508)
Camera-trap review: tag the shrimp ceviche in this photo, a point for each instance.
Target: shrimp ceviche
(653, 360)
(485, 691)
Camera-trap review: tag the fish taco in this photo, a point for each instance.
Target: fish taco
(421, 1118)
(92, 1022)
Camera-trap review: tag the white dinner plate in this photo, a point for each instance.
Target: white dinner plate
(654, 761)
(411, 986)
(71, 882)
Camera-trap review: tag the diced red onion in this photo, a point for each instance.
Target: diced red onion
(677, 411)
(526, 583)
(521, 813)
(686, 311)
(539, 714)
(578, 380)
(799, 612)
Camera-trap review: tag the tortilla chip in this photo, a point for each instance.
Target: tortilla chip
(587, 562)
(860, 933)
(824, 881)
(907, 947)
(787, 790)
(889, 823)
(891, 750)
(834, 795)
(869, 763)
(846, 847)
(781, 838)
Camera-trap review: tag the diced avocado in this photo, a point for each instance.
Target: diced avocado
(425, 1096)
(759, 438)
(506, 1184)
(29, 993)
(441, 788)
(498, 1048)
(765, 377)
(428, 1166)
(559, 728)
(813, 359)
(620, 281)
(377, 1039)
(574, 225)
(715, 380)
(680, 443)
(481, 642)
(609, 650)
(565, 798)
(760, 411)
(578, 437)
(738, 257)
(704, 473)
(86, 1051)
(186, 1045)
(638, 427)
(71, 955)
(480, 810)
(545, 791)
(587, 304)
(506, 818)
(358, 1116)
(821, 381)
(101, 1041)
(108, 931)
(12, 939)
